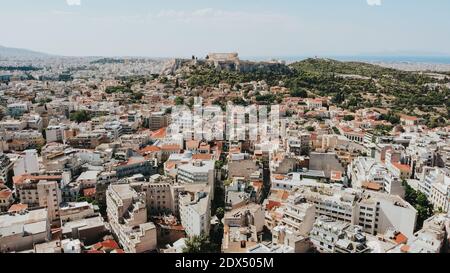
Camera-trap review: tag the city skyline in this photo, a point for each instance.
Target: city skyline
(155, 29)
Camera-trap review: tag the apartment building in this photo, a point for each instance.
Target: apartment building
(6, 168)
(333, 236)
(251, 214)
(374, 212)
(371, 174)
(27, 163)
(38, 192)
(197, 172)
(157, 120)
(55, 133)
(195, 212)
(86, 140)
(162, 193)
(299, 145)
(440, 190)
(127, 214)
(134, 166)
(432, 238)
(76, 211)
(21, 231)
(298, 217)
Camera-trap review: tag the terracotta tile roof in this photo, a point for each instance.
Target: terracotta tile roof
(282, 195)
(21, 178)
(279, 177)
(106, 245)
(411, 118)
(405, 248)
(402, 167)
(202, 157)
(150, 149)
(89, 192)
(18, 207)
(372, 186)
(5, 193)
(272, 204)
(161, 133)
(401, 239)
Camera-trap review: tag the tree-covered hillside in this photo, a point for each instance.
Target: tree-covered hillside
(351, 85)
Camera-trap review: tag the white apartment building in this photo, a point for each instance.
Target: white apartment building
(76, 211)
(55, 133)
(195, 212)
(197, 172)
(428, 178)
(331, 236)
(21, 231)
(284, 236)
(298, 217)
(440, 190)
(88, 179)
(430, 239)
(374, 212)
(251, 214)
(366, 169)
(127, 214)
(13, 125)
(27, 163)
(291, 181)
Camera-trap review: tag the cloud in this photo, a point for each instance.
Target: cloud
(374, 2)
(73, 2)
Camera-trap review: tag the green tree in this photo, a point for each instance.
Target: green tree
(199, 244)
(220, 213)
(420, 202)
(299, 93)
(179, 101)
(349, 118)
(80, 116)
(191, 102)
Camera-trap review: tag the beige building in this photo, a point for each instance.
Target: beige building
(162, 193)
(20, 231)
(76, 211)
(127, 214)
(40, 193)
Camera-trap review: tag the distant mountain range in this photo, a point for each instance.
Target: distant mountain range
(10, 52)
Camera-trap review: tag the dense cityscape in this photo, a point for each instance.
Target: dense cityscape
(95, 157)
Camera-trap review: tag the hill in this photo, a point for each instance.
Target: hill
(10, 52)
(351, 85)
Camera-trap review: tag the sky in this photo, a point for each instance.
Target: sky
(181, 28)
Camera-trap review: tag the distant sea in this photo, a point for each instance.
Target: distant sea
(361, 58)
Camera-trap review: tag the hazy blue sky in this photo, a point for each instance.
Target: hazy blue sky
(251, 27)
